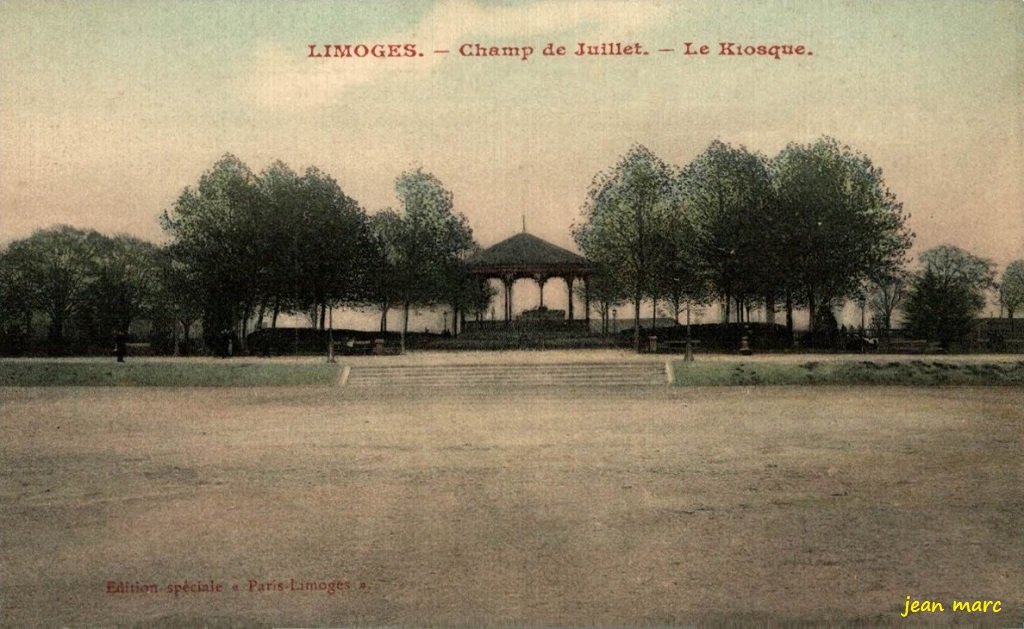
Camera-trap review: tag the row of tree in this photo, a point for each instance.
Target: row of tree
(243, 249)
(97, 283)
(943, 298)
(809, 228)
(252, 246)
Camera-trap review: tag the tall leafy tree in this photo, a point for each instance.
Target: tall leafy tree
(838, 222)
(335, 245)
(681, 276)
(728, 192)
(626, 208)
(1011, 289)
(16, 296)
(386, 228)
(57, 267)
(180, 298)
(216, 230)
(126, 283)
(426, 241)
(280, 195)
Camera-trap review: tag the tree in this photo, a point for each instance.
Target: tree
(217, 231)
(126, 283)
(180, 298)
(728, 193)
(604, 292)
(16, 303)
(885, 294)
(280, 195)
(947, 294)
(624, 211)
(838, 223)
(1011, 289)
(953, 265)
(56, 267)
(424, 242)
(682, 277)
(334, 245)
(466, 294)
(386, 228)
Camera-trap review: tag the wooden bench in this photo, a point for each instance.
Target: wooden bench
(675, 347)
(139, 349)
(912, 346)
(355, 348)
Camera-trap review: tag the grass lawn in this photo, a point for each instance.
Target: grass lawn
(164, 374)
(906, 373)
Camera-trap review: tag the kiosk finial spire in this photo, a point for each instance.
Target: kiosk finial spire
(524, 222)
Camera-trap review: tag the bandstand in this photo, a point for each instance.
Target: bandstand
(525, 256)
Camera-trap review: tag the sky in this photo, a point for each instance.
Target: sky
(109, 109)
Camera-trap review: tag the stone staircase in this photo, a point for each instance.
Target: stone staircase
(597, 375)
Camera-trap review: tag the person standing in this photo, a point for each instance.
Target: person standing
(225, 343)
(120, 345)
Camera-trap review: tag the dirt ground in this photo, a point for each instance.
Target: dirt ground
(720, 506)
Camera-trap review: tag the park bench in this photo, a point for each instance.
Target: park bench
(139, 349)
(353, 347)
(913, 346)
(676, 347)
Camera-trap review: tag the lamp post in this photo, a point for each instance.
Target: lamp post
(330, 335)
(615, 321)
(689, 342)
(444, 330)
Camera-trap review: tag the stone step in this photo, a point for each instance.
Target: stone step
(354, 382)
(631, 367)
(486, 369)
(522, 375)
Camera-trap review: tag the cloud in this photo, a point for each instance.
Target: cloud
(285, 77)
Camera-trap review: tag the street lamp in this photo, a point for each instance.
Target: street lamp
(615, 320)
(689, 339)
(444, 330)
(330, 335)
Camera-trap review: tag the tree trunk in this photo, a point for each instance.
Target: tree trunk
(636, 322)
(689, 337)
(246, 314)
(405, 325)
(789, 317)
(57, 330)
(277, 311)
(812, 313)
